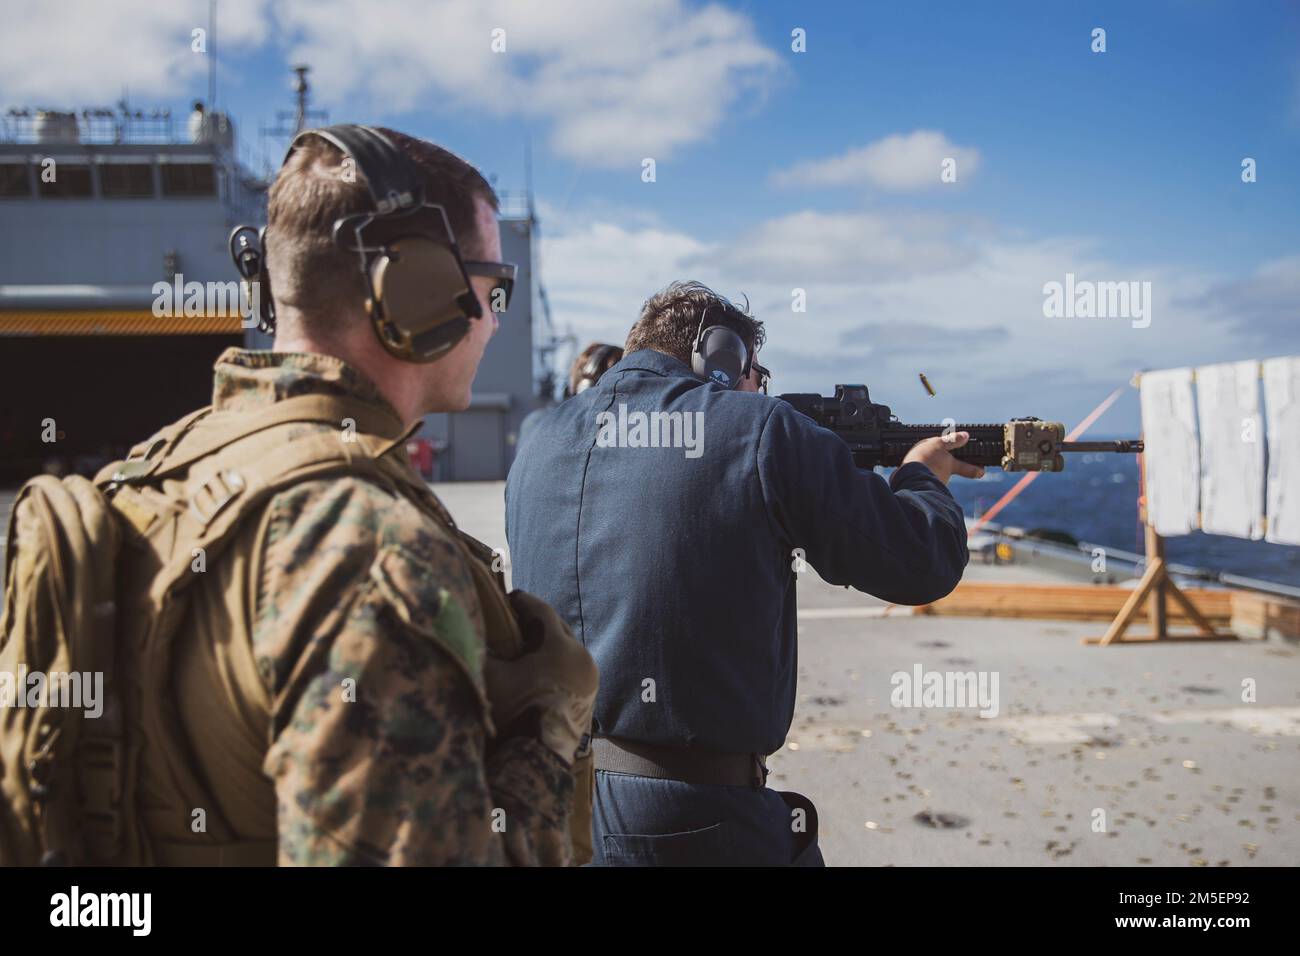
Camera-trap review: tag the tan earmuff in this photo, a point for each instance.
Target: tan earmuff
(411, 321)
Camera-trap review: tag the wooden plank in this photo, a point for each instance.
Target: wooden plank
(1157, 607)
(1186, 605)
(1188, 637)
(1149, 585)
(1265, 616)
(1068, 602)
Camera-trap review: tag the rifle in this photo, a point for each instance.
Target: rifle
(876, 437)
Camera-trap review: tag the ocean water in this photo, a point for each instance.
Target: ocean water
(1095, 499)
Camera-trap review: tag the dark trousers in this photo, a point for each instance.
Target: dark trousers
(643, 821)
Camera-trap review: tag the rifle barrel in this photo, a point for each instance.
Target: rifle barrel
(1121, 447)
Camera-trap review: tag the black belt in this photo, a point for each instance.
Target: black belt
(686, 764)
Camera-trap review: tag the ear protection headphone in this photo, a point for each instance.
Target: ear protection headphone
(418, 293)
(720, 354)
(246, 244)
(593, 368)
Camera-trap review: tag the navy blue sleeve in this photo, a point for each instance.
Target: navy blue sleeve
(903, 540)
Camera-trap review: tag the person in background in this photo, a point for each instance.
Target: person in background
(586, 370)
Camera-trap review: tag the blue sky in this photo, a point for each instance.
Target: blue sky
(778, 170)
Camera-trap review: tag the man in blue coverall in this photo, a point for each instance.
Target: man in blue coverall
(667, 542)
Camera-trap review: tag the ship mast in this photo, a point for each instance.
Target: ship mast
(212, 54)
(289, 124)
(301, 87)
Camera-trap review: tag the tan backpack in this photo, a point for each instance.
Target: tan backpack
(59, 619)
(97, 572)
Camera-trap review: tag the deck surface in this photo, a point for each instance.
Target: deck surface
(1118, 756)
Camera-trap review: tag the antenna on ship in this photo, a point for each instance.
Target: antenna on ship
(290, 124)
(528, 177)
(301, 87)
(547, 383)
(212, 54)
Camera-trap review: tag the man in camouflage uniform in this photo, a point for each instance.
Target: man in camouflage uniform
(366, 721)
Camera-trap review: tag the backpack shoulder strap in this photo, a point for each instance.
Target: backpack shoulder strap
(232, 463)
(248, 473)
(169, 435)
(175, 449)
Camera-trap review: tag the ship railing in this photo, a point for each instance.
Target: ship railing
(95, 126)
(513, 204)
(1084, 551)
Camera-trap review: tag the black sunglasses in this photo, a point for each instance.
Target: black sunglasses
(503, 272)
(763, 376)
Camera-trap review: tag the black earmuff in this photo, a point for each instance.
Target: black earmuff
(593, 368)
(402, 262)
(247, 248)
(720, 354)
(418, 293)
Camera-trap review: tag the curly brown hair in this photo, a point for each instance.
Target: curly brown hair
(670, 320)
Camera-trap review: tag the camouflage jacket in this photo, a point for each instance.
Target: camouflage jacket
(376, 736)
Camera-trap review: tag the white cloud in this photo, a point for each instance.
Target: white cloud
(960, 301)
(598, 275)
(618, 82)
(848, 248)
(665, 77)
(76, 53)
(899, 163)
(1262, 307)
(615, 82)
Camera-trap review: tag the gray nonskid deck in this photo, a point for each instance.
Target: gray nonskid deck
(1155, 737)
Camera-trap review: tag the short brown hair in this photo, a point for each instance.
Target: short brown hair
(309, 272)
(670, 320)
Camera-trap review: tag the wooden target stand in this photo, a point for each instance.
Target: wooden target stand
(1158, 586)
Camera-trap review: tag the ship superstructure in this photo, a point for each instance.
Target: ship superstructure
(100, 209)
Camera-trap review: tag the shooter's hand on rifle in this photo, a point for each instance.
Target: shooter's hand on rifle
(936, 454)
